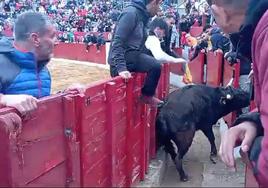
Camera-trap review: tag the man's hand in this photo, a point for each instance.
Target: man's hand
(246, 132)
(231, 57)
(218, 51)
(125, 74)
(23, 103)
(76, 87)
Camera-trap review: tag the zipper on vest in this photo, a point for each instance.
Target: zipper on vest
(39, 81)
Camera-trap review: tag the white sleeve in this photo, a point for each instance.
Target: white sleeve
(153, 44)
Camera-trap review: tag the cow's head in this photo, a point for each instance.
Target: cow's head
(234, 99)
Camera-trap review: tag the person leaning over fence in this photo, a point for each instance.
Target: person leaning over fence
(24, 77)
(158, 30)
(128, 41)
(250, 19)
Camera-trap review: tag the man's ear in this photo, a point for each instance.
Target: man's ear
(35, 39)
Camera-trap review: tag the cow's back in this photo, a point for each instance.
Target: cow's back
(193, 105)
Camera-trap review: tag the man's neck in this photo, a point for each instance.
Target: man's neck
(22, 46)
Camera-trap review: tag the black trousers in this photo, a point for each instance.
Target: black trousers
(142, 63)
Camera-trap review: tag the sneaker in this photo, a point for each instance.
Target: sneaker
(152, 101)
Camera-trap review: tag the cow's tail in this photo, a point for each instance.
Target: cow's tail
(161, 130)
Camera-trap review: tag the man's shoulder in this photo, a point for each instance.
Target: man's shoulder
(8, 71)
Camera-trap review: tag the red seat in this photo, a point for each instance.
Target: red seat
(196, 31)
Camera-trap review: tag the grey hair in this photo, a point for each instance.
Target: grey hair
(30, 22)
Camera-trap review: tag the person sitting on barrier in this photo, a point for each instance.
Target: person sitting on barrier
(250, 20)
(89, 40)
(24, 77)
(100, 41)
(126, 52)
(220, 43)
(158, 30)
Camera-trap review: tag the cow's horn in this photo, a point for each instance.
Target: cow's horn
(228, 96)
(230, 83)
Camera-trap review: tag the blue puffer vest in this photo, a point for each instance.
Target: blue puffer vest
(22, 74)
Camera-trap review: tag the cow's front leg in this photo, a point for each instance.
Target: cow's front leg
(213, 152)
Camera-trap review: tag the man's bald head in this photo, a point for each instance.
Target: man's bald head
(229, 14)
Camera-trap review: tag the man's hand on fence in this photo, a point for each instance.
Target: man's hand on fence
(125, 74)
(246, 132)
(80, 88)
(25, 104)
(218, 51)
(231, 57)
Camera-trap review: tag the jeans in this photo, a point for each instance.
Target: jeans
(143, 63)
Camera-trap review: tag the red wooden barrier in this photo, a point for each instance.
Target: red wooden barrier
(214, 69)
(196, 31)
(250, 180)
(46, 153)
(197, 69)
(230, 72)
(176, 68)
(78, 52)
(104, 137)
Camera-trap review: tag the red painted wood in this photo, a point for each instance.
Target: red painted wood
(214, 69)
(197, 69)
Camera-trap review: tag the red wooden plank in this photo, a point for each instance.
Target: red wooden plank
(197, 69)
(110, 90)
(214, 69)
(38, 156)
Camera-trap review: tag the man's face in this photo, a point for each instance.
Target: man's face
(228, 20)
(159, 33)
(170, 22)
(153, 7)
(44, 50)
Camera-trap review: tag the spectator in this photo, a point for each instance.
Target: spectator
(158, 30)
(34, 40)
(218, 41)
(250, 20)
(24, 76)
(89, 40)
(245, 67)
(126, 50)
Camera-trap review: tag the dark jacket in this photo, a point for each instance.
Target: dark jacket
(21, 74)
(219, 41)
(130, 34)
(242, 41)
(166, 44)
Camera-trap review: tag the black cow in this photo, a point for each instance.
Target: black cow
(195, 107)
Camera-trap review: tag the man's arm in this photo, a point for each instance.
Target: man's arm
(125, 27)
(153, 44)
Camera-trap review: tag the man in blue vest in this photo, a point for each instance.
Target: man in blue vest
(24, 76)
